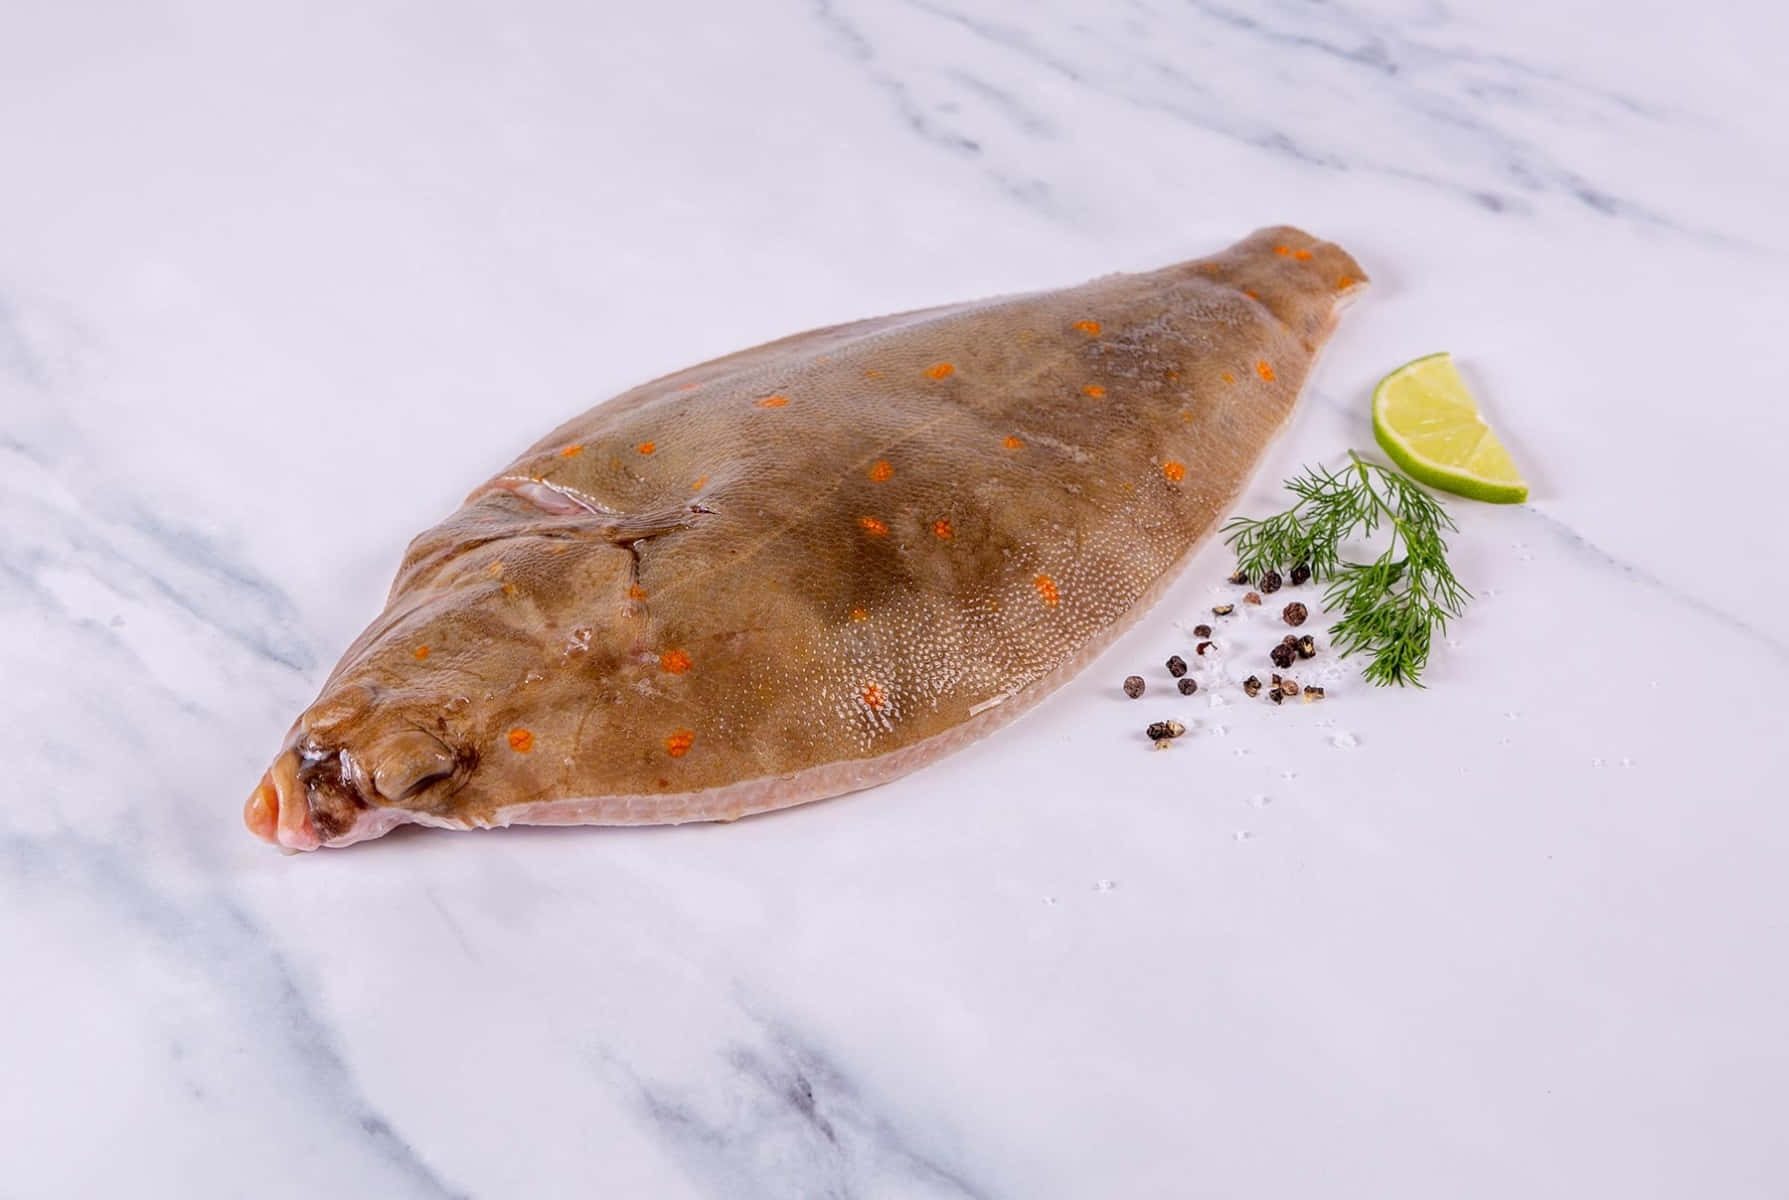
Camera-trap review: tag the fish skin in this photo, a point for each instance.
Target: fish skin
(813, 565)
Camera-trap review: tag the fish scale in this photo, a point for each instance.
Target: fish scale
(810, 566)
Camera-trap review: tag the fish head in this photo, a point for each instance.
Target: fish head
(505, 623)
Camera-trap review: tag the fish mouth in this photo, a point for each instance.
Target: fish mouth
(309, 799)
(279, 809)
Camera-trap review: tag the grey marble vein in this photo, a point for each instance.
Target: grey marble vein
(1585, 551)
(123, 547)
(936, 121)
(1202, 63)
(207, 934)
(777, 1116)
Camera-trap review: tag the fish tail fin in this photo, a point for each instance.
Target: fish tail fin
(1302, 280)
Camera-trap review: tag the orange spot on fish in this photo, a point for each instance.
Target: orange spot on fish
(881, 472)
(697, 486)
(509, 589)
(1046, 590)
(1094, 390)
(674, 661)
(872, 696)
(776, 401)
(860, 614)
(940, 370)
(942, 528)
(1090, 328)
(647, 447)
(872, 526)
(1175, 471)
(572, 451)
(494, 570)
(679, 743)
(1228, 378)
(1264, 370)
(420, 653)
(1186, 414)
(689, 387)
(1252, 295)
(1171, 373)
(1282, 251)
(872, 374)
(521, 740)
(635, 592)
(1301, 255)
(1345, 282)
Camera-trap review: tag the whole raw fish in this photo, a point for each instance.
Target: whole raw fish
(812, 566)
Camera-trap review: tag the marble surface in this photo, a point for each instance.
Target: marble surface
(281, 280)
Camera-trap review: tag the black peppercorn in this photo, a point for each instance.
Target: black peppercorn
(1300, 573)
(1252, 686)
(1240, 578)
(1176, 666)
(1270, 582)
(1202, 631)
(1188, 686)
(1307, 646)
(1283, 655)
(1133, 686)
(1291, 639)
(1276, 695)
(1294, 613)
(1160, 731)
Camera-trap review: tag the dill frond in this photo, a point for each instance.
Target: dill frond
(1391, 607)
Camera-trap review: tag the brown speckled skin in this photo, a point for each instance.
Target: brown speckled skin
(834, 632)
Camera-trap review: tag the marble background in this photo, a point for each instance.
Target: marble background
(279, 281)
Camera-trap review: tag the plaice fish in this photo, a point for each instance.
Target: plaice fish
(812, 566)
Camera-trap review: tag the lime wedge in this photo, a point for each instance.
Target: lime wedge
(1428, 423)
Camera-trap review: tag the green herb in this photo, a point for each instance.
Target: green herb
(1391, 607)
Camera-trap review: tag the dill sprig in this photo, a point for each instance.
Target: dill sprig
(1391, 607)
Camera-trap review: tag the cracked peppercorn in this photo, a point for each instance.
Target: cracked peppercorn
(1270, 582)
(1176, 666)
(1241, 578)
(1201, 648)
(1307, 646)
(1188, 686)
(1283, 655)
(1223, 610)
(1133, 686)
(1294, 613)
(1252, 598)
(1312, 694)
(1276, 695)
(1160, 731)
(1252, 685)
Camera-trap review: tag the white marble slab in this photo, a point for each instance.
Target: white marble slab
(280, 280)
